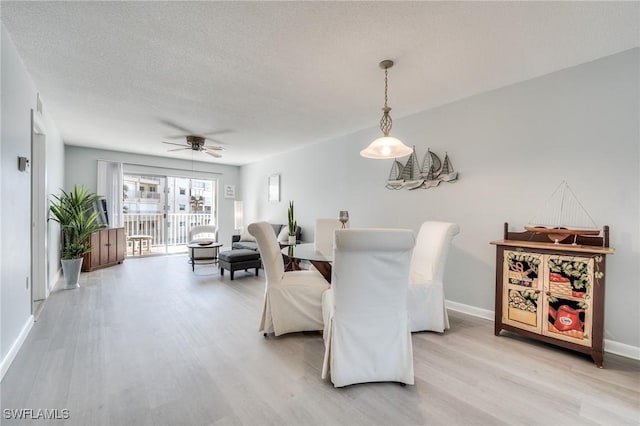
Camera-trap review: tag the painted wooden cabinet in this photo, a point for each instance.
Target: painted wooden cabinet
(109, 248)
(552, 292)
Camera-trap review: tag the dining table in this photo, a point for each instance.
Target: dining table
(307, 251)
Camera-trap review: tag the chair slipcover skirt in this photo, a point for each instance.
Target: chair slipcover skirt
(292, 300)
(366, 333)
(425, 302)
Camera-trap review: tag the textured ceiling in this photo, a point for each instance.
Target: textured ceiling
(273, 76)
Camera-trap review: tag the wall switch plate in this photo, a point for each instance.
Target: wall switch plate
(23, 164)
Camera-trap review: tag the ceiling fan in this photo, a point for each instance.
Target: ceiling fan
(197, 143)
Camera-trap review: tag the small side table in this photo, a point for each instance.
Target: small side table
(197, 246)
(140, 240)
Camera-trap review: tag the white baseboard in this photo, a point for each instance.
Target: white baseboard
(621, 349)
(610, 346)
(8, 359)
(470, 310)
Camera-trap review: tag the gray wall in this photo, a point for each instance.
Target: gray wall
(512, 147)
(18, 98)
(82, 163)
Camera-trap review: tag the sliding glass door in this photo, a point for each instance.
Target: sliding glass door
(190, 202)
(161, 210)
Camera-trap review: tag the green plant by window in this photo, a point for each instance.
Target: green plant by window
(77, 222)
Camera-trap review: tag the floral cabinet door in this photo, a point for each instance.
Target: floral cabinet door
(522, 291)
(568, 298)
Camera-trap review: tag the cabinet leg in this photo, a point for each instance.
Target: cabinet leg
(598, 358)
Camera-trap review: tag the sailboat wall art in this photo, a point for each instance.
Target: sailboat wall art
(411, 175)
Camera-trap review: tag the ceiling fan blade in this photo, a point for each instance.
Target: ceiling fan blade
(171, 143)
(213, 154)
(177, 149)
(175, 126)
(217, 132)
(219, 142)
(213, 148)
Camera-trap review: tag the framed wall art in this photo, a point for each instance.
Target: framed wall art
(274, 188)
(229, 191)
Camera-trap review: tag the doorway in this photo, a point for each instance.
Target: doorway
(39, 215)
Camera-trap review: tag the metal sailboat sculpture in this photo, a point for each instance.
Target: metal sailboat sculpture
(412, 176)
(431, 166)
(411, 172)
(395, 181)
(563, 216)
(447, 174)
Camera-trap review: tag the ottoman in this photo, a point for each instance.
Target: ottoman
(234, 260)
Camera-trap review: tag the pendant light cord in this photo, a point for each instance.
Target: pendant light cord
(385, 87)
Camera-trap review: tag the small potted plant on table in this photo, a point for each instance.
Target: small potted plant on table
(293, 225)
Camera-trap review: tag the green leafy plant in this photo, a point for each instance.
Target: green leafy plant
(293, 224)
(77, 222)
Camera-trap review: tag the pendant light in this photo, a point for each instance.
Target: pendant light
(386, 146)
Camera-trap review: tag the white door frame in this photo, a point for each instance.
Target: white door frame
(39, 211)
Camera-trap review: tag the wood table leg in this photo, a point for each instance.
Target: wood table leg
(324, 268)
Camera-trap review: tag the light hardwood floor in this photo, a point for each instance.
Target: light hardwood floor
(151, 342)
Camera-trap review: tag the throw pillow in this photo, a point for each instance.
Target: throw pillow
(246, 236)
(283, 236)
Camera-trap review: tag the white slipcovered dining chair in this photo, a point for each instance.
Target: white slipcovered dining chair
(324, 234)
(293, 299)
(204, 233)
(366, 330)
(426, 288)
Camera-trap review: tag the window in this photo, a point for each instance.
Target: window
(182, 207)
(183, 191)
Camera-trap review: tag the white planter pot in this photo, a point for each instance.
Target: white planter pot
(71, 272)
(292, 239)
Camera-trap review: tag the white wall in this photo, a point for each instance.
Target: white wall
(512, 147)
(18, 98)
(82, 162)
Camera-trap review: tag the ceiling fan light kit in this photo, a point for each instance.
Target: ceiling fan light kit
(195, 141)
(386, 146)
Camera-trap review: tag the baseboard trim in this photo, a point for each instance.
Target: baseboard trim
(17, 344)
(610, 346)
(470, 310)
(621, 349)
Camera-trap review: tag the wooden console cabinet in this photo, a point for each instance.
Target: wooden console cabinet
(552, 292)
(109, 248)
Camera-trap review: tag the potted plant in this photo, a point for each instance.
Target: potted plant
(293, 225)
(72, 210)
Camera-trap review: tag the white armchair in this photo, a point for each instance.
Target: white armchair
(292, 300)
(203, 233)
(426, 289)
(324, 234)
(366, 330)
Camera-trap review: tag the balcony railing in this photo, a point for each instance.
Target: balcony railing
(148, 195)
(152, 224)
